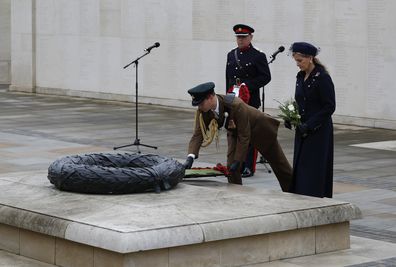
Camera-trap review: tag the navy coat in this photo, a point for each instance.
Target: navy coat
(313, 155)
(252, 70)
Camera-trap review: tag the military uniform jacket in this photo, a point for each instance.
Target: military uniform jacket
(252, 126)
(252, 70)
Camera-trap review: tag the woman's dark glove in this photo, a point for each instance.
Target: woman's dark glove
(287, 124)
(303, 129)
(234, 166)
(189, 162)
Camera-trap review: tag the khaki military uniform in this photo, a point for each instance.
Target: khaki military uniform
(251, 125)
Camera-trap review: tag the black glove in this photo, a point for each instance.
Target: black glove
(287, 124)
(234, 166)
(303, 129)
(189, 162)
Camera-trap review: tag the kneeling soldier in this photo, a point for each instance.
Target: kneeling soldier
(244, 125)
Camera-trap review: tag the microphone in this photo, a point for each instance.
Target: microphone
(148, 49)
(280, 50)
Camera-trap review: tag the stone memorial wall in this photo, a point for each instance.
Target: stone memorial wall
(80, 47)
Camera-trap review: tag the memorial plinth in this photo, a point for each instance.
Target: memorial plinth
(214, 224)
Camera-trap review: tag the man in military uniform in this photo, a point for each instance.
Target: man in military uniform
(246, 64)
(244, 124)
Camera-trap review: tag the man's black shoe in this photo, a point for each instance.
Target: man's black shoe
(247, 173)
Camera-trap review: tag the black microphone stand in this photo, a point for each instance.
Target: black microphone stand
(137, 140)
(272, 59)
(262, 159)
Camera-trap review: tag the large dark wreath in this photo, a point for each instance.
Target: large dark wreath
(106, 173)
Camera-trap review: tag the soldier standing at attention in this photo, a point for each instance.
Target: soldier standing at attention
(245, 125)
(249, 66)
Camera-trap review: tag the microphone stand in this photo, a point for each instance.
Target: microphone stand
(137, 140)
(272, 60)
(262, 159)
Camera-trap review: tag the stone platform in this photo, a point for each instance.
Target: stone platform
(202, 223)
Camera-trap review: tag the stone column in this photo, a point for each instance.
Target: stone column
(23, 48)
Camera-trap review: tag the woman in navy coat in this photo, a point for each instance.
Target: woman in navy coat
(313, 144)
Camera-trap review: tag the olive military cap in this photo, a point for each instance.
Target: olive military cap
(200, 92)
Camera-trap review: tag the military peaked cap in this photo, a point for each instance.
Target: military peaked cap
(242, 30)
(200, 92)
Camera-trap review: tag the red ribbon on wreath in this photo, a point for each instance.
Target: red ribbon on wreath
(221, 168)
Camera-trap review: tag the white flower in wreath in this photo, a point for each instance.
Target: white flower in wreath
(290, 107)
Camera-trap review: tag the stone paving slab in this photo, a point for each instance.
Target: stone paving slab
(390, 262)
(385, 145)
(363, 251)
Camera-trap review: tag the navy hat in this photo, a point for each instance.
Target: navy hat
(304, 48)
(242, 30)
(200, 92)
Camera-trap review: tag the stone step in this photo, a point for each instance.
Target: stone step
(209, 223)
